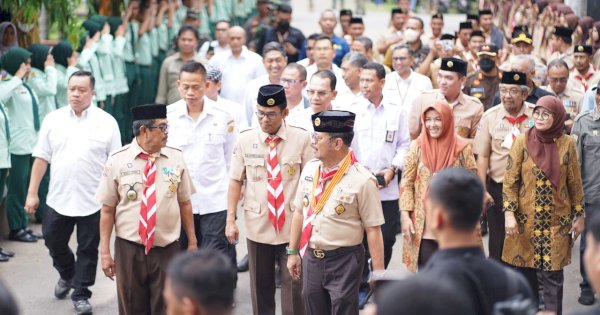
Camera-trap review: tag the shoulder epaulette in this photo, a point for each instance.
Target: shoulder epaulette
(123, 148)
(292, 126)
(174, 148)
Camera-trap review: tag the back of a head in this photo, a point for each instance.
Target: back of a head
(423, 295)
(460, 193)
(8, 305)
(206, 277)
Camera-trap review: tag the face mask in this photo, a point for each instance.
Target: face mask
(486, 64)
(283, 26)
(411, 35)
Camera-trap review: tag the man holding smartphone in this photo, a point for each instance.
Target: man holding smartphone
(380, 144)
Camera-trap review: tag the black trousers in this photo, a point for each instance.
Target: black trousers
(552, 284)
(210, 233)
(391, 214)
(330, 284)
(57, 231)
(591, 209)
(495, 218)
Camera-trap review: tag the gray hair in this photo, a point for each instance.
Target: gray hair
(558, 63)
(356, 59)
(518, 59)
(365, 41)
(137, 124)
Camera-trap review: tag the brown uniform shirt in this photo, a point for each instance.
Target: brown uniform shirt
(124, 171)
(571, 97)
(483, 87)
(492, 131)
(249, 163)
(567, 57)
(353, 205)
(467, 112)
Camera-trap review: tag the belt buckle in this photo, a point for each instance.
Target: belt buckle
(319, 253)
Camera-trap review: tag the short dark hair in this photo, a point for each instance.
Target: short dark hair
(223, 21)
(326, 74)
(193, 67)
(206, 276)
(460, 193)
(379, 69)
(365, 41)
(420, 20)
(84, 73)
(418, 290)
(403, 46)
(301, 70)
(274, 46)
(313, 36)
(345, 136)
(324, 37)
(137, 124)
(188, 28)
(568, 40)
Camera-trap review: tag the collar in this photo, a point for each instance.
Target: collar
(410, 76)
(451, 253)
(281, 133)
(84, 114)
(460, 100)
(135, 150)
(526, 109)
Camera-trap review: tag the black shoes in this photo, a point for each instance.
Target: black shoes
(242, 266)
(5, 255)
(39, 236)
(21, 236)
(62, 288)
(586, 297)
(82, 307)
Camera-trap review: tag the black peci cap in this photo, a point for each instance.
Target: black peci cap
(513, 77)
(333, 121)
(454, 65)
(582, 49)
(271, 95)
(466, 25)
(149, 111)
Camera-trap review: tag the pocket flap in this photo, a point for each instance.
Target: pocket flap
(252, 207)
(295, 159)
(254, 162)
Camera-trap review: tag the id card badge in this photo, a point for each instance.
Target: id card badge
(391, 126)
(389, 136)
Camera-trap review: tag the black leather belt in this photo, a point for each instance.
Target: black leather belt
(321, 253)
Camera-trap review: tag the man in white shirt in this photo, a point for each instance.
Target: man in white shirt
(380, 143)
(293, 80)
(205, 134)
(310, 48)
(324, 53)
(239, 67)
(351, 64)
(274, 60)
(220, 45)
(404, 85)
(77, 140)
(321, 92)
(211, 91)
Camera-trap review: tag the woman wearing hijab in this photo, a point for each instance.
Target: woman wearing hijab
(66, 64)
(437, 148)
(543, 202)
(8, 37)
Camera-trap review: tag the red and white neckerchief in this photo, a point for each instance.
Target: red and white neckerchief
(275, 199)
(516, 123)
(147, 218)
(320, 195)
(584, 79)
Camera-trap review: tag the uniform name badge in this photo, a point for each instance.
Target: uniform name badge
(390, 132)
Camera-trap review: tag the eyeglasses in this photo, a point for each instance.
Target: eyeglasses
(163, 128)
(289, 81)
(269, 115)
(512, 92)
(399, 58)
(319, 93)
(542, 115)
(558, 80)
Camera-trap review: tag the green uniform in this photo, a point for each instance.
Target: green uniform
(88, 60)
(4, 149)
(22, 108)
(104, 54)
(143, 50)
(62, 81)
(133, 75)
(120, 87)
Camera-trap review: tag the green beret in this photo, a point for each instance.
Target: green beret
(39, 54)
(12, 60)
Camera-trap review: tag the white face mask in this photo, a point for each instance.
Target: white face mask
(411, 35)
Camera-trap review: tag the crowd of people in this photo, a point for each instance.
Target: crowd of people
(330, 143)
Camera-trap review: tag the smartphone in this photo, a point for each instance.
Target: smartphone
(380, 180)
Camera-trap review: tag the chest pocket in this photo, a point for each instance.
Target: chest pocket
(290, 169)
(131, 187)
(343, 201)
(591, 145)
(255, 169)
(213, 143)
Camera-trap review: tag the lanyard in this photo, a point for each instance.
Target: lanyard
(403, 97)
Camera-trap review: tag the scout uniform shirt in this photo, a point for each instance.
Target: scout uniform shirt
(492, 139)
(23, 113)
(586, 131)
(571, 97)
(122, 187)
(249, 163)
(467, 112)
(353, 206)
(44, 84)
(483, 87)
(566, 57)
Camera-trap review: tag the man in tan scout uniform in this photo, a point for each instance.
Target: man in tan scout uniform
(337, 203)
(145, 191)
(467, 110)
(499, 126)
(269, 159)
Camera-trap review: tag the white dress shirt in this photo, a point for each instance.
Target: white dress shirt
(237, 72)
(381, 140)
(207, 146)
(218, 50)
(235, 110)
(293, 114)
(404, 92)
(77, 148)
(251, 95)
(340, 84)
(347, 100)
(302, 119)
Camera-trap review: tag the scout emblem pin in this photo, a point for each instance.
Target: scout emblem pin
(340, 209)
